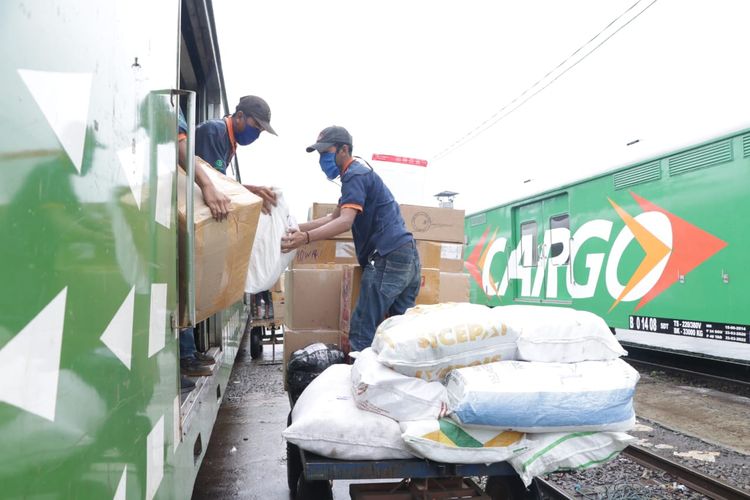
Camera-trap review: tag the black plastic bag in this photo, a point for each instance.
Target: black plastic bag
(306, 364)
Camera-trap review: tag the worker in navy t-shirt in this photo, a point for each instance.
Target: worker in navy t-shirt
(216, 143)
(385, 249)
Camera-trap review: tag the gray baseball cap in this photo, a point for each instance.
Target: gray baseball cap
(330, 136)
(258, 109)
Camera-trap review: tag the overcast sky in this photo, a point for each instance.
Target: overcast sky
(412, 77)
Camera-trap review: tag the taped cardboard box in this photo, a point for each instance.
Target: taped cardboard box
(312, 296)
(454, 287)
(343, 252)
(429, 291)
(351, 277)
(434, 224)
(326, 252)
(429, 253)
(425, 223)
(299, 339)
(451, 257)
(222, 249)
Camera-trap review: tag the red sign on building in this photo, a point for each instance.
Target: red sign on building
(400, 159)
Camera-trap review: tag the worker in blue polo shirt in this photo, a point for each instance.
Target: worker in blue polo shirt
(385, 249)
(216, 143)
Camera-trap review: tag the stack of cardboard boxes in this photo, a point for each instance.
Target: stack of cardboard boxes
(322, 286)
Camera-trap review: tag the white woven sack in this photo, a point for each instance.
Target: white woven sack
(429, 341)
(267, 263)
(561, 334)
(545, 397)
(446, 441)
(574, 451)
(382, 390)
(326, 421)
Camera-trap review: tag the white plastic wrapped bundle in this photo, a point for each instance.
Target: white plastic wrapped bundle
(326, 421)
(430, 341)
(446, 441)
(266, 260)
(554, 451)
(545, 397)
(382, 390)
(561, 334)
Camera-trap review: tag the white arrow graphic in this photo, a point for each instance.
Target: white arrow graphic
(64, 100)
(118, 336)
(120, 494)
(31, 360)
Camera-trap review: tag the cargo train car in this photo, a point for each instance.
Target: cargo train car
(658, 248)
(90, 400)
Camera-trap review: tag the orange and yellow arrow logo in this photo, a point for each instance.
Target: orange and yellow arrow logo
(691, 246)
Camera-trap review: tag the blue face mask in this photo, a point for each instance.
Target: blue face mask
(328, 165)
(247, 136)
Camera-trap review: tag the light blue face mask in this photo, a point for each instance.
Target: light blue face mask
(328, 165)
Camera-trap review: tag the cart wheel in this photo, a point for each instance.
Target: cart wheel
(313, 490)
(293, 468)
(256, 342)
(510, 487)
(293, 463)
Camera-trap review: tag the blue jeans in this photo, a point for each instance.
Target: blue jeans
(187, 343)
(389, 285)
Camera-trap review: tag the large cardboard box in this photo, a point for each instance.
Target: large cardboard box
(325, 252)
(299, 339)
(312, 297)
(452, 257)
(429, 253)
(429, 291)
(454, 287)
(222, 249)
(351, 277)
(434, 224)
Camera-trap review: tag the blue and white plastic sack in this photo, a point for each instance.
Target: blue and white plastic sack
(429, 341)
(554, 451)
(382, 390)
(561, 334)
(545, 397)
(267, 263)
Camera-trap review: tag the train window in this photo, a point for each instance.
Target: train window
(529, 251)
(559, 222)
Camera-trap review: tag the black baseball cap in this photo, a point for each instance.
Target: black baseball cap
(258, 109)
(330, 136)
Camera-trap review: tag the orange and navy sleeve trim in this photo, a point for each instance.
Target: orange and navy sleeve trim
(356, 207)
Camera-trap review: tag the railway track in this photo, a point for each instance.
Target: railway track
(691, 478)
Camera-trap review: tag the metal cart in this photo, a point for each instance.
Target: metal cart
(309, 477)
(262, 326)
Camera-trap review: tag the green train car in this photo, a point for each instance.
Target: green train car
(90, 400)
(660, 246)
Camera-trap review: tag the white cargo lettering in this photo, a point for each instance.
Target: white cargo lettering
(597, 228)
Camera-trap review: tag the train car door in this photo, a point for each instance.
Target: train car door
(524, 263)
(556, 248)
(542, 253)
